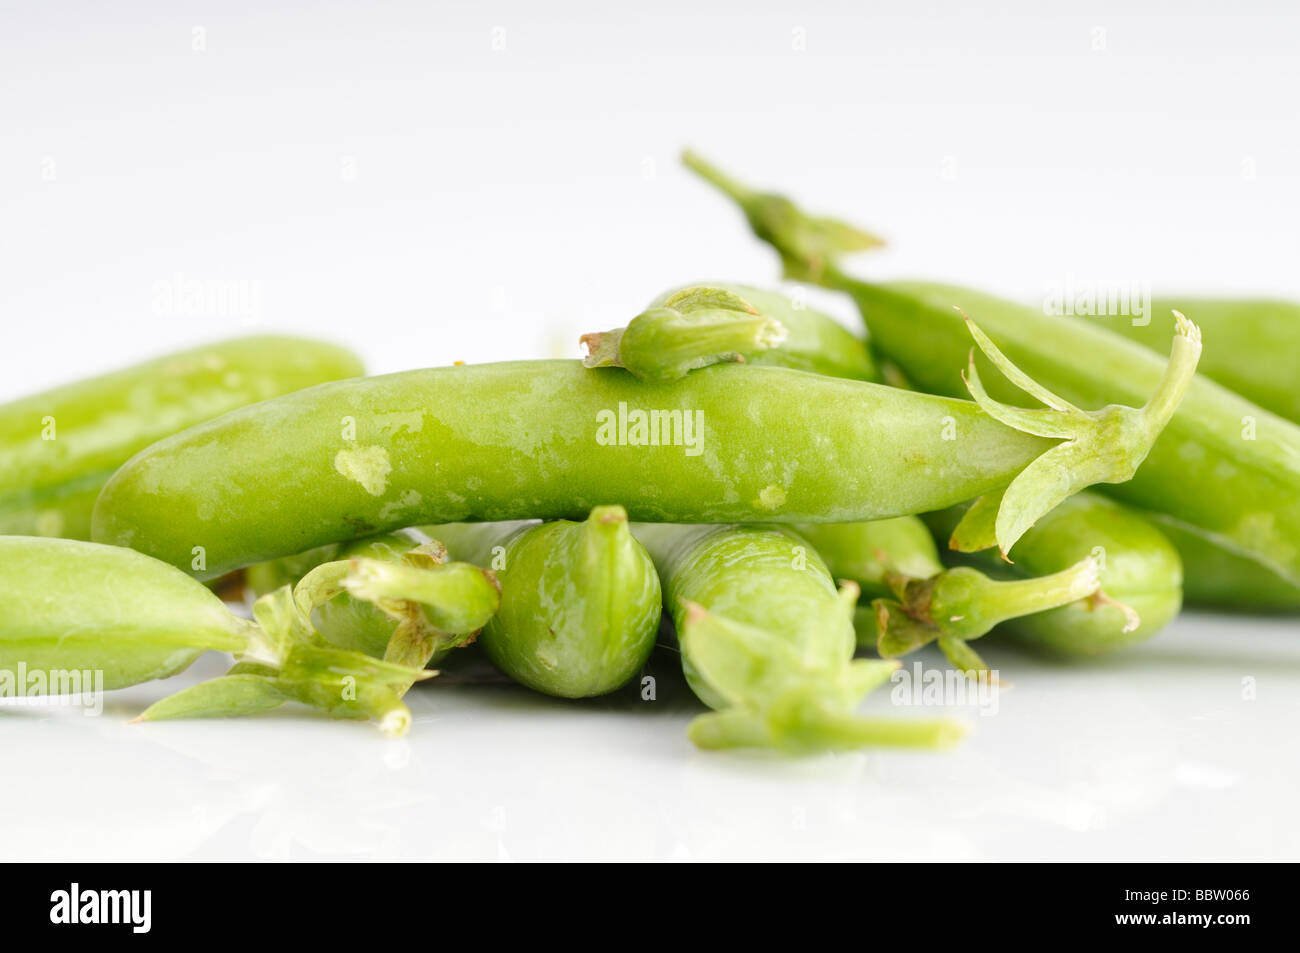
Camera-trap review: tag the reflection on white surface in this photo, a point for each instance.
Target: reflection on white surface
(1150, 755)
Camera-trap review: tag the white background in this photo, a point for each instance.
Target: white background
(469, 181)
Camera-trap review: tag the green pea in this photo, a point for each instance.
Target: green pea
(1255, 344)
(580, 602)
(767, 642)
(1222, 465)
(58, 448)
(547, 439)
(700, 325)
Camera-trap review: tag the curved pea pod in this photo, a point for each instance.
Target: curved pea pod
(580, 602)
(1255, 343)
(1222, 465)
(1219, 578)
(68, 604)
(1140, 572)
(705, 324)
(58, 448)
(767, 641)
(918, 601)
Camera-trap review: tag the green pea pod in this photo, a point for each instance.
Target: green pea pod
(1255, 344)
(389, 596)
(1222, 465)
(1216, 577)
(58, 448)
(700, 325)
(68, 606)
(1139, 569)
(551, 439)
(922, 602)
(580, 602)
(768, 642)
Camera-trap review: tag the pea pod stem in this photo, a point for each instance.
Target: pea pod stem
(396, 599)
(698, 325)
(289, 661)
(1110, 451)
(961, 604)
(693, 328)
(1139, 569)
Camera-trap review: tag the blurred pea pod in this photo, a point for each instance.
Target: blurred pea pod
(1256, 344)
(1218, 578)
(580, 602)
(73, 606)
(58, 448)
(767, 642)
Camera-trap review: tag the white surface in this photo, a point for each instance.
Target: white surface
(431, 182)
(1155, 755)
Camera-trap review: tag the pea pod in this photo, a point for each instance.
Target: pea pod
(1255, 344)
(1223, 465)
(580, 602)
(551, 439)
(1139, 569)
(390, 596)
(917, 600)
(58, 448)
(68, 605)
(920, 601)
(768, 642)
(700, 325)
(1218, 578)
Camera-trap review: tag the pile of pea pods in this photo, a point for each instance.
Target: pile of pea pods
(807, 504)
